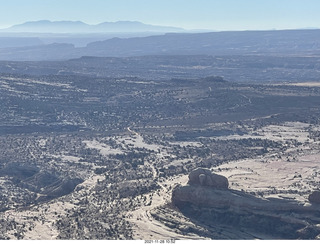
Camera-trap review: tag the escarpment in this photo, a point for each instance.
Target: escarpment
(208, 200)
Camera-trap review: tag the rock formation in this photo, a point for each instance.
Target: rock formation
(208, 200)
(205, 177)
(314, 197)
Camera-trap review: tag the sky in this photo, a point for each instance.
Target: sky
(189, 14)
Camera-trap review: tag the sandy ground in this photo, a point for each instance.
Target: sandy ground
(275, 178)
(286, 131)
(292, 175)
(104, 149)
(284, 177)
(145, 227)
(309, 84)
(288, 177)
(40, 219)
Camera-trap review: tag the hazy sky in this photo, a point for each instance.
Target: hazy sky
(189, 14)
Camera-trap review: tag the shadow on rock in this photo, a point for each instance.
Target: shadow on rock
(206, 200)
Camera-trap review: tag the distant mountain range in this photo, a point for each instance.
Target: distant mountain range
(273, 43)
(46, 26)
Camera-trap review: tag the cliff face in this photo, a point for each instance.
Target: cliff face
(213, 205)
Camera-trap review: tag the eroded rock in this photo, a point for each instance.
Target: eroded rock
(314, 197)
(205, 177)
(208, 200)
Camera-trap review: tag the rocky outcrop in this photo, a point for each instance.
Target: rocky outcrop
(62, 187)
(205, 177)
(41, 182)
(208, 200)
(314, 197)
(19, 171)
(310, 232)
(230, 199)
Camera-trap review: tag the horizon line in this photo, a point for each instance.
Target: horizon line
(2, 28)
